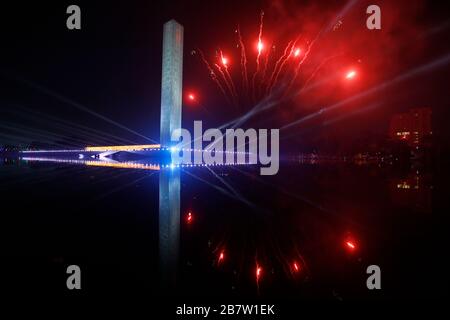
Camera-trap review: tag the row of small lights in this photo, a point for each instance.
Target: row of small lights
(99, 163)
(162, 166)
(174, 149)
(54, 160)
(190, 165)
(51, 151)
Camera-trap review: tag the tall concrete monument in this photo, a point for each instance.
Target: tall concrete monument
(169, 180)
(172, 80)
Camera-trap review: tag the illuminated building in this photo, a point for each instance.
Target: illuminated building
(412, 126)
(413, 192)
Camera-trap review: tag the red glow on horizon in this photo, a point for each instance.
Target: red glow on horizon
(351, 74)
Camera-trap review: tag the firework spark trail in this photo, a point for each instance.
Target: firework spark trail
(266, 64)
(259, 48)
(213, 75)
(253, 87)
(313, 74)
(260, 45)
(319, 35)
(283, 56)
(280, 69)
(348, 6)
(300, 64)
(279, 65)
(243, 61)
(227, 83)
(228, 76)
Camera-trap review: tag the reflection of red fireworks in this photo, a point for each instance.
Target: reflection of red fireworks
(221, 256)
(258, 272)
(189, 217)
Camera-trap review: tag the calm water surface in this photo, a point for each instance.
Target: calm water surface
(308, 232)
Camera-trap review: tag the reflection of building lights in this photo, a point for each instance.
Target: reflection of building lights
(403, 185)
(411, 183)
(412, 126)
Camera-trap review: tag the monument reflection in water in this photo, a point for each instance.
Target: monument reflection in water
(169, 226)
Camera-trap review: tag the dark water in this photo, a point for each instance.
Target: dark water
(312, 230)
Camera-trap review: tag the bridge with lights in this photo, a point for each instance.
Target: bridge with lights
(146, 156)
(129, 156)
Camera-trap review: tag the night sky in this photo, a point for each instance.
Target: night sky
(113, 64)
